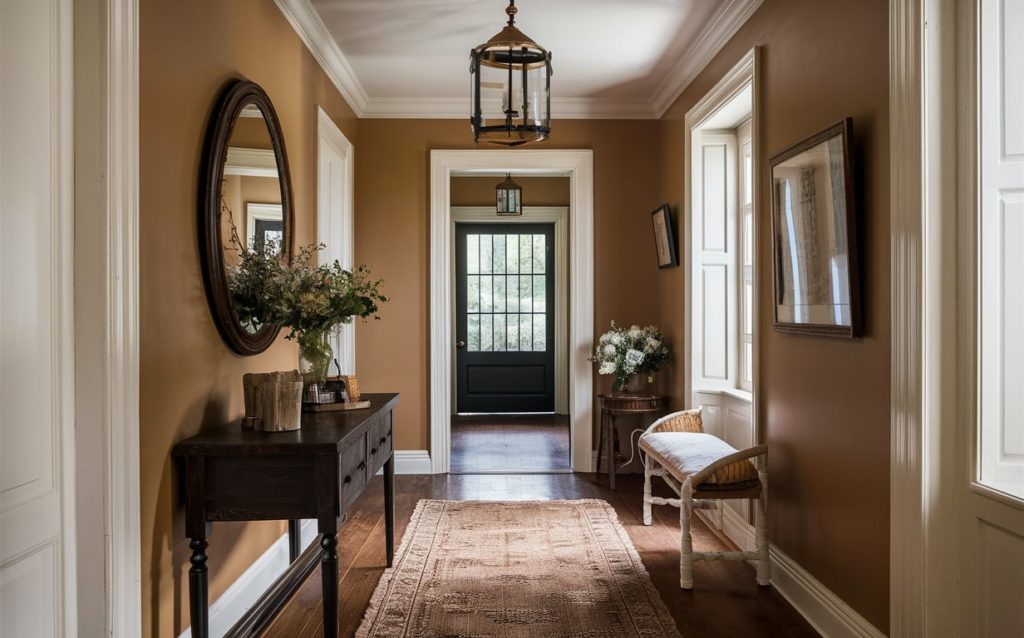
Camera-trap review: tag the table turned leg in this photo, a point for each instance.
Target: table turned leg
(329, 582)
(389, 508)
(610, 437)
(294, 540)
(198, 589)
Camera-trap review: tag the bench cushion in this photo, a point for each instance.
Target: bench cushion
(684, 454)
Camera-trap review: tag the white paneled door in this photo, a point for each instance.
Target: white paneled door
(37, 596)
(992, 540)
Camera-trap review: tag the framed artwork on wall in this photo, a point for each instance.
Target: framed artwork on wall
(664, 238)
(814, 236)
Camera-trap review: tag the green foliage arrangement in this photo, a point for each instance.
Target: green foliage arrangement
(626, 352)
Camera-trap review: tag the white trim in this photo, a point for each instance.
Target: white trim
(731, 15)
(337, 234)
(107, 305)
(250, 162)
(311, 30)
(412, 462)
(242, 594)
(823, 609)
(562, 108)
(558, 215)
(721, 27)
(256, 211)
(578, 165)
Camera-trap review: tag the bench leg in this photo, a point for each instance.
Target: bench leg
(647, 490)
(685, 541)
(761, 533)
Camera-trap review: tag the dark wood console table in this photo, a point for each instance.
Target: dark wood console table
(613, 405)
(235, 474)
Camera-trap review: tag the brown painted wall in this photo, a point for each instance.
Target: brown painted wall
(189, 378)
(824, 402)
(537, 191)
(392, 223)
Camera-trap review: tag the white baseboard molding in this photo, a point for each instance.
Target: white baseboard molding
(244, 592)
(825, 611)
(413, 462)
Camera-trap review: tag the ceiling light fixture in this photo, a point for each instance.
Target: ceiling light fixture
(510, 76)
(509, 197)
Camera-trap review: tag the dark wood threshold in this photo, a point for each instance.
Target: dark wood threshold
(260, 615)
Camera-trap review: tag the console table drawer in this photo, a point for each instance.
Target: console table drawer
(352, 472)
(380, 443)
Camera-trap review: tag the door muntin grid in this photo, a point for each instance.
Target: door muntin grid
(506, 281)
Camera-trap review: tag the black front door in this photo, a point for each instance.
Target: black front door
(505, 317)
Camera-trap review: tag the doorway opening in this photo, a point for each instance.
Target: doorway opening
(509, 380)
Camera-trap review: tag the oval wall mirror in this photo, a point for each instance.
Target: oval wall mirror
(245, 208)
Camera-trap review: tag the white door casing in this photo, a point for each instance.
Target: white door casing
(559, 216)
(37, 497)
(578, 165)
(334, 219)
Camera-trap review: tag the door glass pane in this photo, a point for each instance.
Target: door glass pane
(748, 238)
(539, 333)
(538, 293)
(512, 293)
(473, 293)
(473, 336)
(499, 293)
(486, 333)
(499, 253)
(486, 298)
(512, 253)
(513, 332)
(485, 253)
(526, 333)
(499, 332)
(748, 307)
(525, 254)
(525, 293)
(748, 362)
(538, 253)
(472, 254)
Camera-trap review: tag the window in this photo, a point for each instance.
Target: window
(505, 293)
(746, 258)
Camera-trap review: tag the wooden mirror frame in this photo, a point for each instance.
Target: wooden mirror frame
(232, 100)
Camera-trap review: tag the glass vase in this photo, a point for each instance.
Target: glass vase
(315, 357)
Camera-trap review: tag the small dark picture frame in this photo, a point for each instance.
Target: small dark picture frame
(814, 236)
(664, 237)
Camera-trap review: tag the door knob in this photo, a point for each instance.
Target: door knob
(460, 344)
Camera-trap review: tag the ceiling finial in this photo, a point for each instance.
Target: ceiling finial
(511, 11)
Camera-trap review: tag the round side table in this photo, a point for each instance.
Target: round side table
(615, 405)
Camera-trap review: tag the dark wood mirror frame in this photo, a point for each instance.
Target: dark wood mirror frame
(236, 96)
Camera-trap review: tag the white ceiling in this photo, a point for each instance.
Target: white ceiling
(408, 58)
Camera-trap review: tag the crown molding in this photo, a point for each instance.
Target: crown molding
(311, 29)
(723, 25)
(458, 108)
(726, 21)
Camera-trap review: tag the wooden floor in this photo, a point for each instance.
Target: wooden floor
(725, 601)
(510, 444)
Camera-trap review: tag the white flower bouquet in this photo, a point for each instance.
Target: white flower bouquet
(630, 352)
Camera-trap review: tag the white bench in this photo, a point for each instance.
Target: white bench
(701, 469)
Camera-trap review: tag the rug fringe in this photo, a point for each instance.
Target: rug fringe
(381, 590)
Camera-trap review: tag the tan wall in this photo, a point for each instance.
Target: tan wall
(392, 223)
(189, 378)
(537, 191)
(824, 402)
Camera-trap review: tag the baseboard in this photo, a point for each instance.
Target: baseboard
(825, 611)
(412, 462)
(247, 589)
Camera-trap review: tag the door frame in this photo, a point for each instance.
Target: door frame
(578, 165)
(557, 215)
(337, 235)
(106, 121)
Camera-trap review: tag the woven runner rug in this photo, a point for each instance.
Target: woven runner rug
(541, 569)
